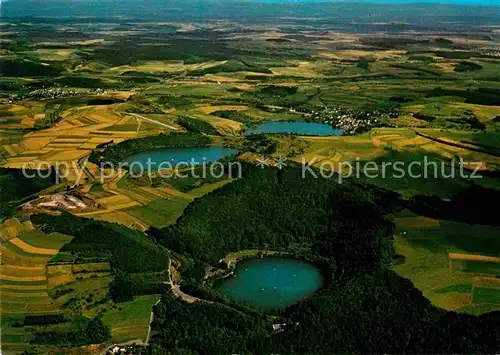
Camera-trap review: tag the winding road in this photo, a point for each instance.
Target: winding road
(176, 290)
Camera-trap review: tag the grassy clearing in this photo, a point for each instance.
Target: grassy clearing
(484, 295)
(43, 240)
(120, 217)
(131, 320)
(207, 188)
(117, 202)
(476, 267)
(160, 212)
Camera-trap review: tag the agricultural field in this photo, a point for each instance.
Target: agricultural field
(132, 320)
(79, 131)
(25, 284)
(39, 280)
(455, 265)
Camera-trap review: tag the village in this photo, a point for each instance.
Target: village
(351, 121)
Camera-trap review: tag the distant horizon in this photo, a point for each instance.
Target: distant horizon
(493, 3)
(447, 2)
(191, 10)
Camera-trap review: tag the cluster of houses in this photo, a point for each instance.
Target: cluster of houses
(351, 121)
(53, 93)
(491, 53)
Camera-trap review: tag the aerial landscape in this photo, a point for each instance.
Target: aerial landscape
(249, 177)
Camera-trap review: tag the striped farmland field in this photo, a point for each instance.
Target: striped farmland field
(23, 273)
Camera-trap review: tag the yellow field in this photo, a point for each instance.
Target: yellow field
(22, 295)
(30, 249)
(222, 125)
(461, 256)
(117, 202)
(303, 69)
(22, 278)
(416, 222)
(480, 111)
(59, 269)
(23, 273)
(10, 257)
(413, 142)
(168, 66)
(16, 269)
(210, 109)
(52, 55)
(59, 280)
(87, 42)
(80, 131)
(14, 149)
(11, 228)
(24, 287)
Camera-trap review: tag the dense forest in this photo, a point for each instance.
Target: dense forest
(126, 249)
(363, 308)
(206, 328)
(199, 126)
(81, 331)
(458, 208)
(271, 209)
(16, 186)
(115, 154)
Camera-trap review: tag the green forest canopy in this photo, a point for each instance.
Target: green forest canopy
(366, 308)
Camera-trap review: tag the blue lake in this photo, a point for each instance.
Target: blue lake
(300, 128)
(196, 155)
(272, 282)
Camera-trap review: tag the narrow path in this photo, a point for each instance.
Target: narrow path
(176, 289)
(151, 120)
(177, 293)
(82, 162)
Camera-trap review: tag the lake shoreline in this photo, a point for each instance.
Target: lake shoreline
(270, 282)
(300, 128)
(227, 269)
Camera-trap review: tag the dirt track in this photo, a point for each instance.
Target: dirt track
(460, 256)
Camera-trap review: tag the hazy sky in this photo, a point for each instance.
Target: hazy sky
(483, 2)
(182, 9)
(475, 2)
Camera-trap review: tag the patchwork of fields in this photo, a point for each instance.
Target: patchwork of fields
(80, 131)
(455, 265)
(36, 279)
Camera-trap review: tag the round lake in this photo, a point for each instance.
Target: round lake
(272, 282)
(300, 128)
(174, 156)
